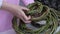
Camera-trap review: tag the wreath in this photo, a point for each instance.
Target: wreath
(39, 12)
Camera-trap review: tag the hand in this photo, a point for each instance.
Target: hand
(17, 11)
(23, 17)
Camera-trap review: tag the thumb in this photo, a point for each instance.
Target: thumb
(29, 17)
(24, 8)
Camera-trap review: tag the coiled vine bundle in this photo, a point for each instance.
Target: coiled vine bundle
(39, 12)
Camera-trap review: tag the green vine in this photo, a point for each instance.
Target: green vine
(39, 12)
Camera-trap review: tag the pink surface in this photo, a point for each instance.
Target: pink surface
(6, 17)
(26, 2)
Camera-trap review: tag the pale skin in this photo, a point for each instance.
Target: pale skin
(17, 11)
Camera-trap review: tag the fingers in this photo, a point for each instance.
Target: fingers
(24, 8)
(29, 17)
(28, 20)
(25, 21)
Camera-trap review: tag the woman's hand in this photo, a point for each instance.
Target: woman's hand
(20, 13)
(17, 11)
(23, 16)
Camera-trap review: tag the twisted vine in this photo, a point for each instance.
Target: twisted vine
(39, 12)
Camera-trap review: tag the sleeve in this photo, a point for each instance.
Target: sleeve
(26, 2)
(1, 1)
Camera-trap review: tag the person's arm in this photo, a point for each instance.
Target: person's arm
(16, 10)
